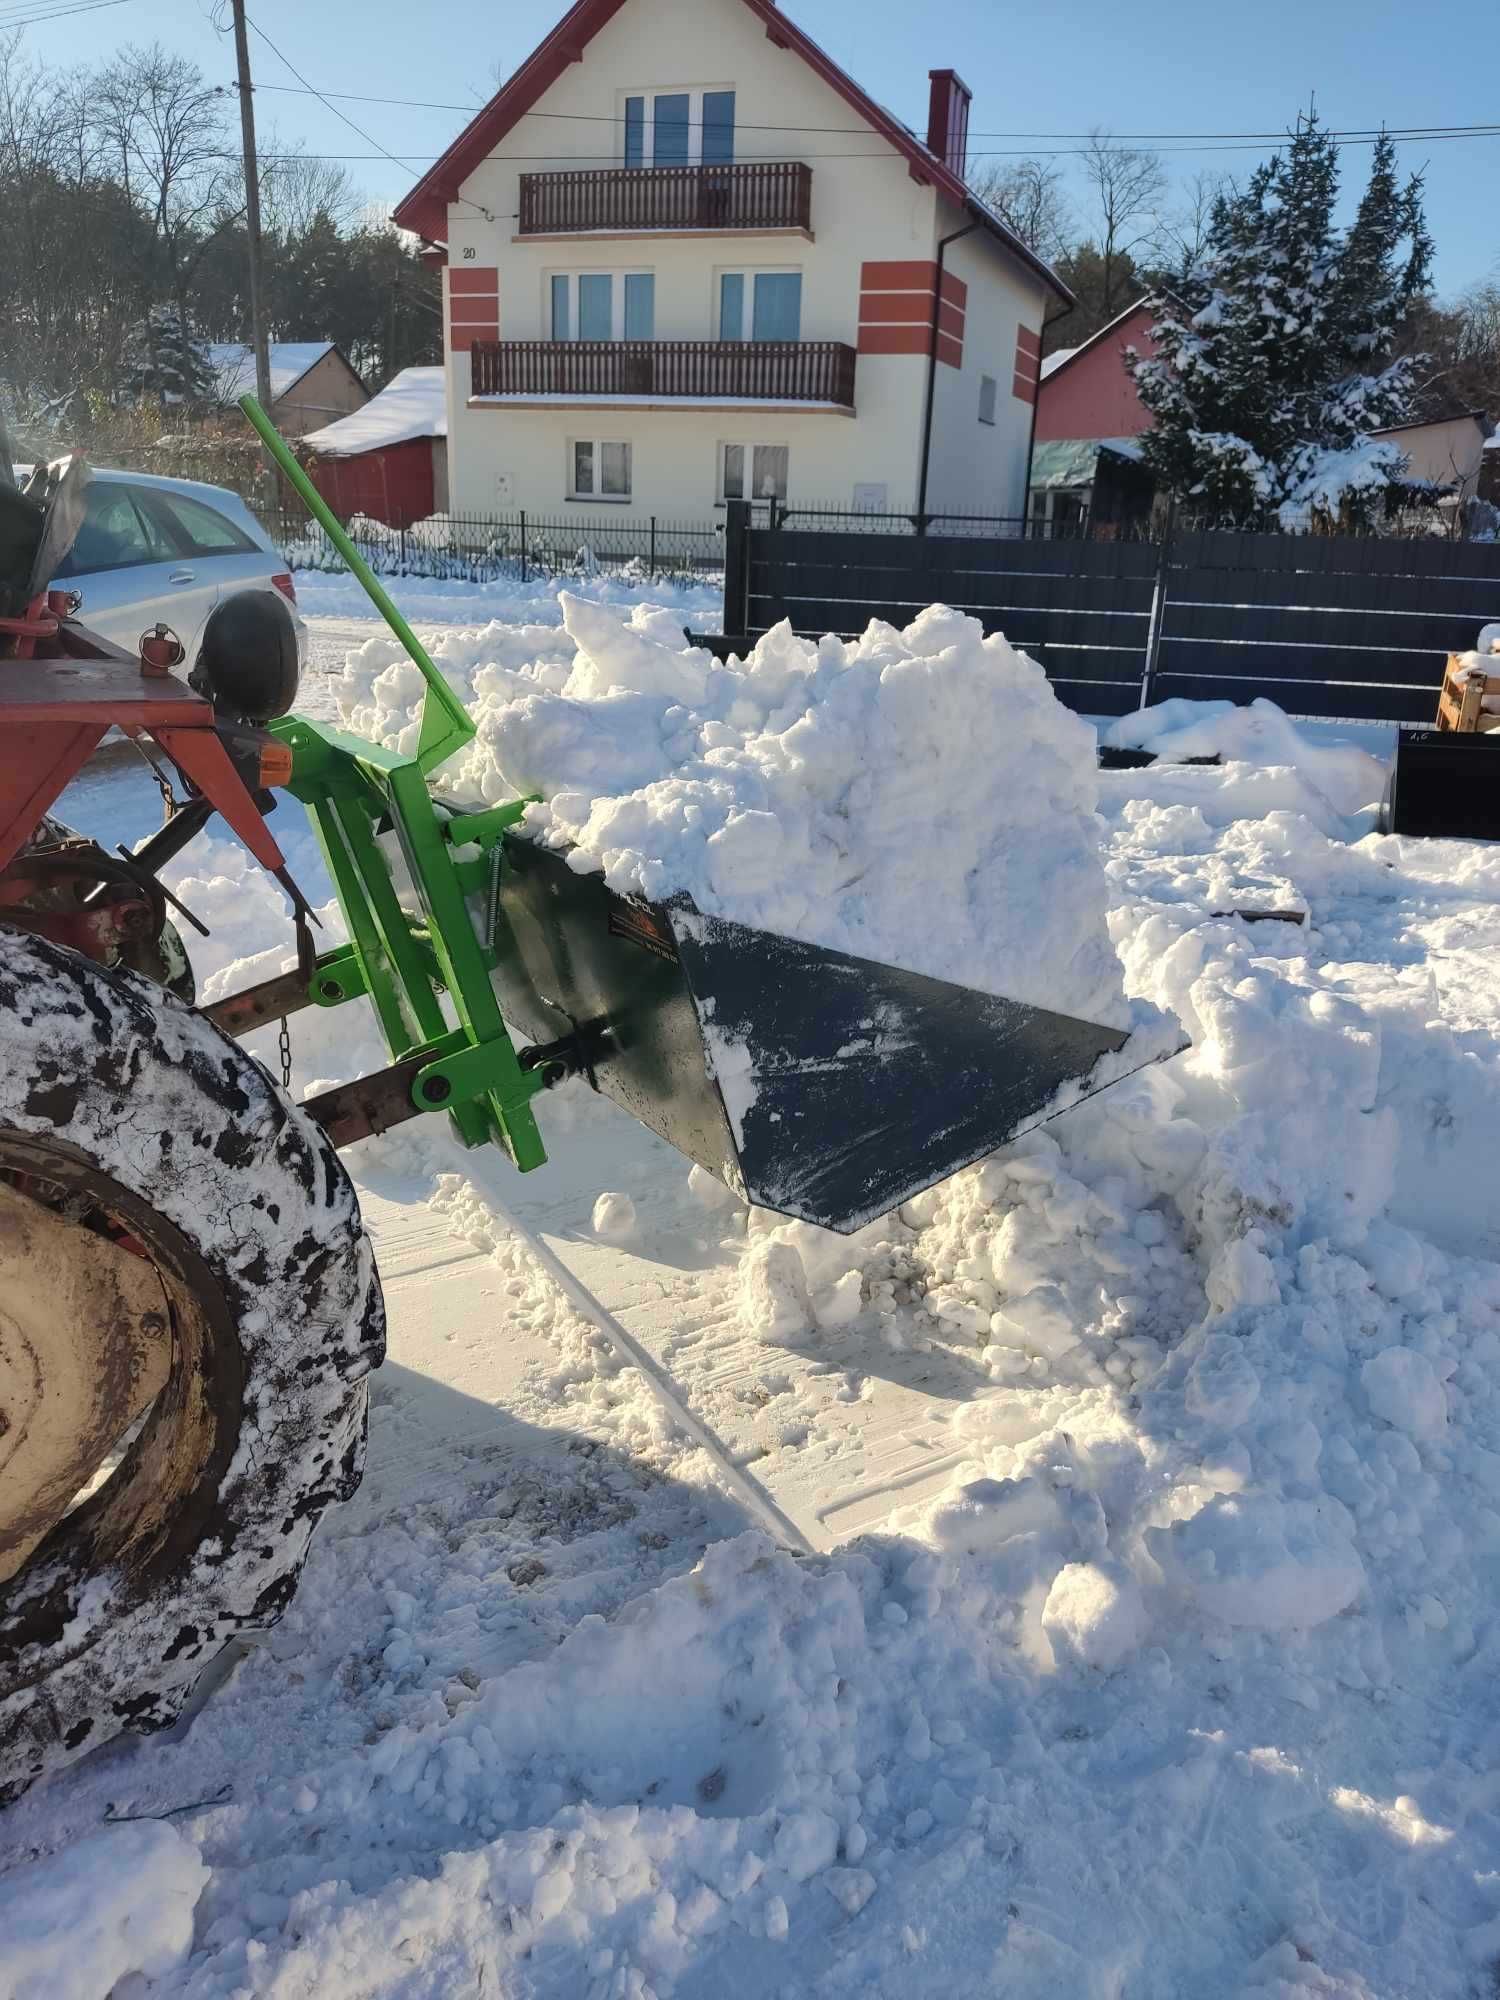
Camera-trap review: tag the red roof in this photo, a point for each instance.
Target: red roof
(425, 209)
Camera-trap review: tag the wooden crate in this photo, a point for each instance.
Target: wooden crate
(1461, 703)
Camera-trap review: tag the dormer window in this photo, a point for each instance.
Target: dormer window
(679, 128)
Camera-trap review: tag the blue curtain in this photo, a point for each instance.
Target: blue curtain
(560, 309)
(671, 146)
(596, 309)
(635, 131)
(778, 306)
(718, 128)
(732, 306)
(640, 306)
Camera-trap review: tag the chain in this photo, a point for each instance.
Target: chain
(284, 1046)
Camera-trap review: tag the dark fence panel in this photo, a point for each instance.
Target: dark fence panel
(1081, 609)
(1324, 625)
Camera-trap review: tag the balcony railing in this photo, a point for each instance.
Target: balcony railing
(790, 371)
(763, 194)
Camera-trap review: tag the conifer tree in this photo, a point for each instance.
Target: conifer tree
(1276, 352)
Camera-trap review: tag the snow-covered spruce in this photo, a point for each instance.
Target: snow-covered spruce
(242, 1202)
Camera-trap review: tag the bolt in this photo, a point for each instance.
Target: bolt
(330, 989)
(437, 1089)
(153, 1324)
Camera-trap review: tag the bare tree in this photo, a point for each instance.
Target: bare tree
(295, 189)
(162, 126)
(1182, 234)
(1028, 194)
(1126, 186)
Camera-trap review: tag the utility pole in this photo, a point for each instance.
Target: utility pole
(252, 210)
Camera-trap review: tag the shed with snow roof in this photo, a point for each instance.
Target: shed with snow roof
(312, 382)
(390, 459)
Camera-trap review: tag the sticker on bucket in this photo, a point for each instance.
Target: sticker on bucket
(642, 927)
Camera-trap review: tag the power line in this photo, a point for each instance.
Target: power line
(56, 13)
(405, 165)
(877, 153)
(863, 131)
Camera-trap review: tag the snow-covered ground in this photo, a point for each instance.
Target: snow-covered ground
(1152, 1467)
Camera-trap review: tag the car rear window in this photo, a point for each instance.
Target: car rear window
(115, 533)
(202, 530)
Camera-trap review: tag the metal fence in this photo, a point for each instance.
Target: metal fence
(518, 547)
(1322, 624)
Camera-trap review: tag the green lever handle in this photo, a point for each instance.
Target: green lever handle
(446, 724)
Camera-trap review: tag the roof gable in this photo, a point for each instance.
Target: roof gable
(425, 209)
(1066, 357)
(233, 365)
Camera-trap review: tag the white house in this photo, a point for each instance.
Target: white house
(689, 260)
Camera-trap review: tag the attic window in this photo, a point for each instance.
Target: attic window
(679, 128)
(989, 389)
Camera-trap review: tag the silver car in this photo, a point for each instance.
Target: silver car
(164, 551)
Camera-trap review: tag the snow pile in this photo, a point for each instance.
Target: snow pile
(1258, 733)
(919, 798)
(81, 1922)
(1164, 1663)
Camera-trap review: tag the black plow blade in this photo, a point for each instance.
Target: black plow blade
(827, 1087)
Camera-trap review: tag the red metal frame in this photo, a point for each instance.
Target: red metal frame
(61, 693)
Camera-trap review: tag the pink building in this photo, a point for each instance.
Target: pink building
(1086, 470)
(1087, 391)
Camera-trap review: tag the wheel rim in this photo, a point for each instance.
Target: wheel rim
(159, 1502)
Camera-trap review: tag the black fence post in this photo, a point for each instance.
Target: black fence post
(653, 548)
(737, 569)
(523, 545)
(1158, 606)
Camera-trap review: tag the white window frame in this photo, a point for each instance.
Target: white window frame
(750, 446)
(694, 93)
(989, 384)
(617, 278)
(749, 273)
(596, 445)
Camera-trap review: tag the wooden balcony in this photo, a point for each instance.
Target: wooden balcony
(736, 371)
(762, 194)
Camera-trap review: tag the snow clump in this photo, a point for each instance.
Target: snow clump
(920, 798)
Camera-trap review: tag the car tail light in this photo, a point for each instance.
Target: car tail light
(284, 584)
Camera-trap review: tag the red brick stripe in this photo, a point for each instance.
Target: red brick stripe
(896, 304)
(894, 339)
(897, 277)
(473, 278)
(1029, 342)
(1023, 387)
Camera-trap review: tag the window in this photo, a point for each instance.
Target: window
(988, 391)
(117, 532)
(200, 530)
(679, 128)
(752, 471)
(774, 300)
(603, 305)
(598, 470)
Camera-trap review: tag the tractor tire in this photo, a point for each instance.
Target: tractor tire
(125, 1114)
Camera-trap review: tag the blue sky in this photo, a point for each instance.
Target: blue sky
(1172, 66)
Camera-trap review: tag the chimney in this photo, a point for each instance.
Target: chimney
(948, 120)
